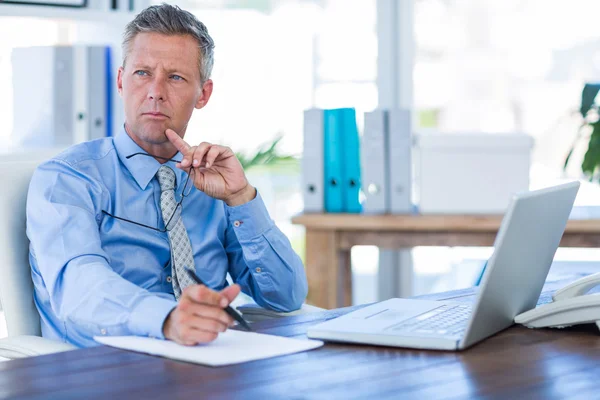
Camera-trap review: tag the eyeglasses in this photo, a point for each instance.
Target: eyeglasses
(172, 220)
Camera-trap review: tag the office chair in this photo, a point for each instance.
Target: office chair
(16, 287)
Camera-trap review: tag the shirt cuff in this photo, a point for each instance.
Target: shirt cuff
(148, 317)
(249, 220)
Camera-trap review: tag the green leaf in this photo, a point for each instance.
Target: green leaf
(267, 154)
(577, 138)
(588, 97)
(591, 160)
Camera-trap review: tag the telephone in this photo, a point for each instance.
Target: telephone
(570, 306)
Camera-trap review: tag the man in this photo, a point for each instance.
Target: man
(114, 223)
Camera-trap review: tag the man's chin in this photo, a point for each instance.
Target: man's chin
(153, 134)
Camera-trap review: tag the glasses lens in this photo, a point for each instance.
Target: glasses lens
(189, 183)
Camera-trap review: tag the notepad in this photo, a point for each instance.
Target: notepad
(231, 347)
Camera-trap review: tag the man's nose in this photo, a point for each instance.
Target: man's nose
(157, 91)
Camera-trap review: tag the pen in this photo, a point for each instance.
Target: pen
(234, 314)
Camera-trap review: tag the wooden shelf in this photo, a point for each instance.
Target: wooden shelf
(65, 13)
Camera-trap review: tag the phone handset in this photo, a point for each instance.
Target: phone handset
(570, 306)
(579, 287)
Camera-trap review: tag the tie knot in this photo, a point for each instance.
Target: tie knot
(166, 178)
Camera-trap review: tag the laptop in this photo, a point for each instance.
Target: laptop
(511, 284)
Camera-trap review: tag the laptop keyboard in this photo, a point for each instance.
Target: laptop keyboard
(445, 320)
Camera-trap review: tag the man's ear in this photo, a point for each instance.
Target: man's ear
(207, 89)
(120, 81)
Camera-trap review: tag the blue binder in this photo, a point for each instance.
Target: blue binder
(332, 136)
(350, 161)
(109, 98)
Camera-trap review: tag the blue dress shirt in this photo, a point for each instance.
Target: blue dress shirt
(96, 275)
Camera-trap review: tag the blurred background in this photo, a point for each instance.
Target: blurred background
(473, 66)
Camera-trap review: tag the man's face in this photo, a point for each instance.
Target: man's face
(160, 85)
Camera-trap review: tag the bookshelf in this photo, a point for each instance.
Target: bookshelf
(70, 14)
(74, 26)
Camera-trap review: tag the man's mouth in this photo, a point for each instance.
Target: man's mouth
(155, 114)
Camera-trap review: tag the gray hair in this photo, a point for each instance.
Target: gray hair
(172, 20)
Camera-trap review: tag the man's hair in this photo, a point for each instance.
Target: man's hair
(172, 20)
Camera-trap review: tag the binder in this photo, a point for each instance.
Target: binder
(109, 91)
(312, 162)
(80, 88)
(122, 5)
(92, 93)
(400, 160)
(99, 93)
(375, 163)
(42, 96)
(350, 156)
(62, 126)
(65, 102)
(332, 132)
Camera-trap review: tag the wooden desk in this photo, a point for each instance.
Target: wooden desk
(516, 363)
(329, 238)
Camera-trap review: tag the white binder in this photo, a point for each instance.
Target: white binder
(42, 96)
(400, 160)
(97, 85)
(312, 162)
(374, 163)
(80, 88)
(60, 95)
(122, 5)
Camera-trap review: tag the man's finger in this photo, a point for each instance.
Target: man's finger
(213, 313)
(201, 316)
(177, 141)
(209, 324)
(203, 295)
(199, 153)
(194, 155)
(212, 155)
(231, 292)
(191, 336)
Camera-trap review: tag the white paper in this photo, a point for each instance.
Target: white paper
(231, 347)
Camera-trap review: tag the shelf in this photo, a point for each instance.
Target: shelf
(65, 13)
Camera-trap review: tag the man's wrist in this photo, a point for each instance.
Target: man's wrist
(242, 197)
(166, 325)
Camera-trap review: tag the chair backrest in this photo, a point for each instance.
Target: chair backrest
(16, 286)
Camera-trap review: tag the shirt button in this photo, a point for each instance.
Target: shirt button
(237, 224)
(103, 331)
(169, 279)
(258, 269)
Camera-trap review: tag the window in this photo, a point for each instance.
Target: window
(485, 65)
(280, 60)
(506, 66)
(283, 57)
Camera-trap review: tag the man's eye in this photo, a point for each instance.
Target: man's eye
(176, 77)
(141, 73)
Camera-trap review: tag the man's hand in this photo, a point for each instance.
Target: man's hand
(200, 316)
(218, 172)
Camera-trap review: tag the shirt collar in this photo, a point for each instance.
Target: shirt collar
(142, 168)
